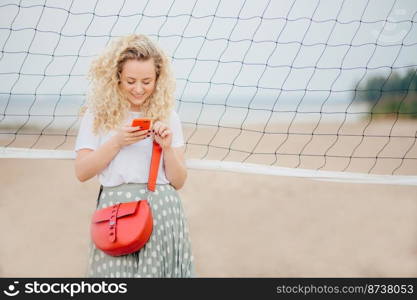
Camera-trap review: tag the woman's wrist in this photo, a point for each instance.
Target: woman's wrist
(115, 143)
(167, 148)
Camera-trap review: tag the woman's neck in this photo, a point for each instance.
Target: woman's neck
(136, 108)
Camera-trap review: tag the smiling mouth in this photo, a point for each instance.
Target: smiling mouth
(138, 96)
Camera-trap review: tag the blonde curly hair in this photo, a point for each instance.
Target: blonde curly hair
(106, 100)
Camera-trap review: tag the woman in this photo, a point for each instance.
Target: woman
(132, 79)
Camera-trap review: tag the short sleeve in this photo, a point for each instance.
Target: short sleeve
(176, 127)
(86, 137)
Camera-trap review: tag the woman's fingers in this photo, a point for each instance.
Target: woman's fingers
(162, 133)
(157, 127)
(161, 129)
(165, 132)
(128, 135)
(140, 133)
(136, 136)
(131, 129)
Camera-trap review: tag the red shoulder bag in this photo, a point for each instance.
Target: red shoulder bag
(126, 227)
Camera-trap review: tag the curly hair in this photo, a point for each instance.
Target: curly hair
(106, 100)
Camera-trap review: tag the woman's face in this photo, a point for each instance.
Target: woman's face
(138, 81)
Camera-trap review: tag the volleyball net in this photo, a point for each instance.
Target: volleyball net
(320, 89)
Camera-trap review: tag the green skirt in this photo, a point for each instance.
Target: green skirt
(168, 251)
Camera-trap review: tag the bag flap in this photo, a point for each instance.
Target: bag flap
(104, 214)
(126, 209)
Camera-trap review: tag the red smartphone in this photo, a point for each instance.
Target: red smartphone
(144, 123)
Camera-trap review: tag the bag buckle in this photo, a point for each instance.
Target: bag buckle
(113, 223)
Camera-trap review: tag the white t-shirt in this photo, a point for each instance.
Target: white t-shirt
(132, 163)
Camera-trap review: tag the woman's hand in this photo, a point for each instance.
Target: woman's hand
(128, 135)
(162, 135)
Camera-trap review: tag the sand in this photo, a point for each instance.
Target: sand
(241, 225)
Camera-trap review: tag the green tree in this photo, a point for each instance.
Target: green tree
(395, 94)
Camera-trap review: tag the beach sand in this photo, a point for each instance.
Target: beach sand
(241, 225)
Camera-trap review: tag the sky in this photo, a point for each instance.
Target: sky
(254, 52)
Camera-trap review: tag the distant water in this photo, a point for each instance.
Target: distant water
(282, 112)
(62, 112)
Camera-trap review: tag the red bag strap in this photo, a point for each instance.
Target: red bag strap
(153, 171)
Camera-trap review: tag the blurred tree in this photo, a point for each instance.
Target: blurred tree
(395, 94)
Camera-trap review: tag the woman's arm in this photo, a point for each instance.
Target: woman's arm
(174, 159)
(175, 168)
(89, 163)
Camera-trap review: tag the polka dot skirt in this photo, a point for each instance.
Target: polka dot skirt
(168, 251)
